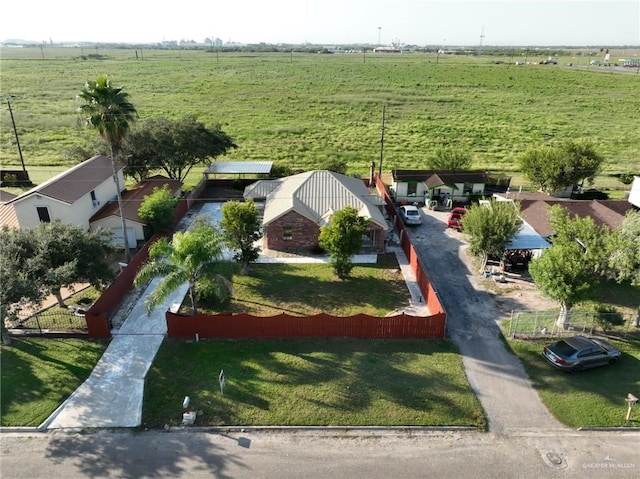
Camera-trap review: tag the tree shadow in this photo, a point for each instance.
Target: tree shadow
(123, 455)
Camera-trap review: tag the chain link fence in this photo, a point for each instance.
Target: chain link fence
(537, 324)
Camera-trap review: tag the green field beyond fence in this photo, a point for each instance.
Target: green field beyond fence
(302, 109)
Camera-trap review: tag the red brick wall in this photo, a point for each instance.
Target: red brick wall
(305, 234)
(304, 237)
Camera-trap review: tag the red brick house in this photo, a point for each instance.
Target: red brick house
(296, 207)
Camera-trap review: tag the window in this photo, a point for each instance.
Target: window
(94, 200)
(43, 214)
(287, 233)
(412, 187)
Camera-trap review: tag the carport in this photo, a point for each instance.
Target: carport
(240, 168)
(524, 246)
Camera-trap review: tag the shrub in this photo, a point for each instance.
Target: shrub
(607, 317)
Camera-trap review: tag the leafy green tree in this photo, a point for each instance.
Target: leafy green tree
(108, 110)
(562, 275)
(593, 239)
(490, 227)
(552, 168)
(342, 238)
(158, 209)
(174, 146)
(241, 228)
(447, 158)
(19, 273)
(569, 270)
(67, 255)
(191, 257)
(623, 250)
(280, 171)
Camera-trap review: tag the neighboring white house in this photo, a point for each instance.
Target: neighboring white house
(634, 195)
(71, 197)
(423, 186)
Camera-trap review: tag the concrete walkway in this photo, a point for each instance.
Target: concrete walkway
(112, 395)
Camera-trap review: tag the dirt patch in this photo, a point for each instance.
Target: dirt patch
(516, 291)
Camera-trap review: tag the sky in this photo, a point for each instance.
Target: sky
(327, 22)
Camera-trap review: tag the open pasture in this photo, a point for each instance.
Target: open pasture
(301, 109)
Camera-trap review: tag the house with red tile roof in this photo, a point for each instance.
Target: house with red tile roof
(534, 209)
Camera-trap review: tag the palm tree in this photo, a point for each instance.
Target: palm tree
(108, 110)
(194, 256)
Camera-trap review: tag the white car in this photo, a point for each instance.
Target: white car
(410, 215)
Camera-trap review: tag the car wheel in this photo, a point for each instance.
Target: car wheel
(614, 360)
(577, 368)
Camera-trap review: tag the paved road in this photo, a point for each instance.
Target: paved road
(128, 455)
(510, 402)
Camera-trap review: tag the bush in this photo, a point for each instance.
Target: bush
(607, 317)
(626, 178)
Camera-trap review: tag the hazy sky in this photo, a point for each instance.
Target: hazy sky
(421, 22)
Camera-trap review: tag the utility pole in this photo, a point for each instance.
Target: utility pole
(15, 132)
(381, 142)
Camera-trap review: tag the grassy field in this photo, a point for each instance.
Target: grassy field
(593, 397)
(312, 382)
(301, 109)
(38, 374)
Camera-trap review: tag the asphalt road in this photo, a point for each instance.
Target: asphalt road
(370, 455)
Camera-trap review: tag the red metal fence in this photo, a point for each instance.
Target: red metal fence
(429, 293)
(228, 325)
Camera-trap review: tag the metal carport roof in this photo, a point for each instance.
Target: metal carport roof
(239, 168)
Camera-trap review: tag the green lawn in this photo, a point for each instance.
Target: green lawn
(594, 397)
(307, 289)
(312, 382)
(39, 374)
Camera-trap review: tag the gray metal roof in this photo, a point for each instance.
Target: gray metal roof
(527, 238)
(240, 167)
(315, 195)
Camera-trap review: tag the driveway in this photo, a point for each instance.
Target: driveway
(498, 378)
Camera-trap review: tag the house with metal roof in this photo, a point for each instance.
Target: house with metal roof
(297, 206)
(72, 197)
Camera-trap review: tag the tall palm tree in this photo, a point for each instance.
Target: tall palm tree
(108, 110)
(191, 257)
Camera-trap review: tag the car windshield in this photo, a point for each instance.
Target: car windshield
(412, 213)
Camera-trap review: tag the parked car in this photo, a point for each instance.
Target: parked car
(455, 218)
(410, 215)
(578, 352)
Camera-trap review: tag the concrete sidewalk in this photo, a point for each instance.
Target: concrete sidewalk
(112, 395)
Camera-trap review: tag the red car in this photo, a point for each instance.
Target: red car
(455, 218)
